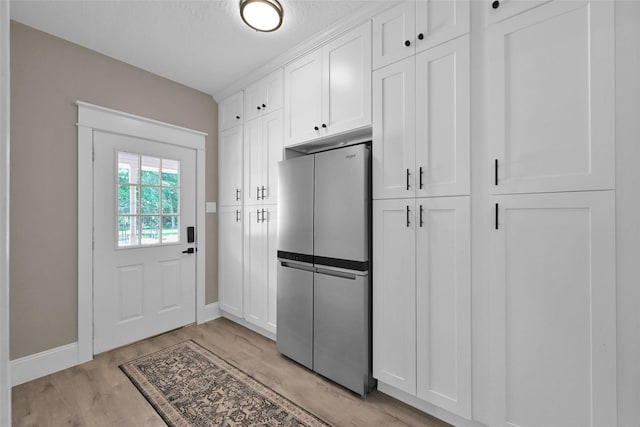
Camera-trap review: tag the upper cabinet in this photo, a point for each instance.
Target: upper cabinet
(550, 99)
(230, 112)
(497, 10)
(262, 152)
(414, 26)
(328, 91)
(421, 127)
(264, 96)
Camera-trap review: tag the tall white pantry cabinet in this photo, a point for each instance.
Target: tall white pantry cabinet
(550, 135)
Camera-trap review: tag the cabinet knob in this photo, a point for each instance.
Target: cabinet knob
(237, 117)
(324, 126)
(264, 106)
(420, 36)
(259, 107)
(316, 128)
(495, 4)
(407, 43)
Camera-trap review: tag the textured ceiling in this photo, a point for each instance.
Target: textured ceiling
(202, 44)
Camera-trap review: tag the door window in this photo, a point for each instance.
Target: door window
(148, 200)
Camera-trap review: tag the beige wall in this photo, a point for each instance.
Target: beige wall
(48, 75)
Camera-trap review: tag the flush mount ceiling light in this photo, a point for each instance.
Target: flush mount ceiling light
(261, 15)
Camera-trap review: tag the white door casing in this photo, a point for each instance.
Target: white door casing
(147, 288)
(90, 118)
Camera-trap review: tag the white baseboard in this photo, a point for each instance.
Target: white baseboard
(211, 312)
(430, 409)
(248, 325)
(44, 363)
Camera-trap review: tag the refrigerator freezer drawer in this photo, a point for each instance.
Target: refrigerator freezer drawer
(341, 329)
(295, 312)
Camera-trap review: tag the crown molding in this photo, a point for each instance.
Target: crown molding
(367, 12)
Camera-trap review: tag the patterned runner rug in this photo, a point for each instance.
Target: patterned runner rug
(190, 386)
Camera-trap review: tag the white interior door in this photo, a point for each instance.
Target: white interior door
(144, 199)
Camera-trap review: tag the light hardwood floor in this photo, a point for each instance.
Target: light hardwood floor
(98, 394)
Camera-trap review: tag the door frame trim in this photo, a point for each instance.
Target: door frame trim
(91, 118)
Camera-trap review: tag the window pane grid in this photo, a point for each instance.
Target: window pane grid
(148, 200)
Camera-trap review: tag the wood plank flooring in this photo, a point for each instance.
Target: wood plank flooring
(98, 394)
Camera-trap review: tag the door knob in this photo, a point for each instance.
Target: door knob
(189, 251)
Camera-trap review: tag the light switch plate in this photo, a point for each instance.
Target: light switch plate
(211, 207)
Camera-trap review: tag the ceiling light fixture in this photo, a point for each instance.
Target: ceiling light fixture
(261, 15)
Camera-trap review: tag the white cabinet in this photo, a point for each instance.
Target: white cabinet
(422, 299)
(328, 91)
(412, 27)
(230, 266)
(497, 10)
(230, 112)
(421, 131)
(260, 263)
(554, 310)
(443, 302)
(230, 167)
(262, 152)
(550, 99)
(394, 293)
(264, 96)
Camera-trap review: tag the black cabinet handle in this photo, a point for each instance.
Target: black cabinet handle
(420, 36)
(316, 128)
(496, 216)
(408, 173)
(495, 172)
(237, 215)
(263, 216)
(421, 221)
(257, 215)
(421, 177)
(262, 192)
(324, 125)
(495, 4)
(408, 222)
(237, 194)
(407, 43)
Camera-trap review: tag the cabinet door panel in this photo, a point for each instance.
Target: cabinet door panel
(253, 161)
(554, 320)
(391, 29)
(272, 152)
(230, 166)
(230, 268)
(443, 301)
(346, 66)
(230, 112)
(254, 267)
(394, 130)
(303, 98)
(440, 21)
(442, 119)
(394, 320)
(264, 96)
(271, 267)
(551, 85)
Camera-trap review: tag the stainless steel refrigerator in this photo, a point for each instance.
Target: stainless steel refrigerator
(324, 286)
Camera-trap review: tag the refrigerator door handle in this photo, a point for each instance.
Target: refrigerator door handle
(335, 273)
(296, 266)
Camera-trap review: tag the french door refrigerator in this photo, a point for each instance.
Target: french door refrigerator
(324, 286)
